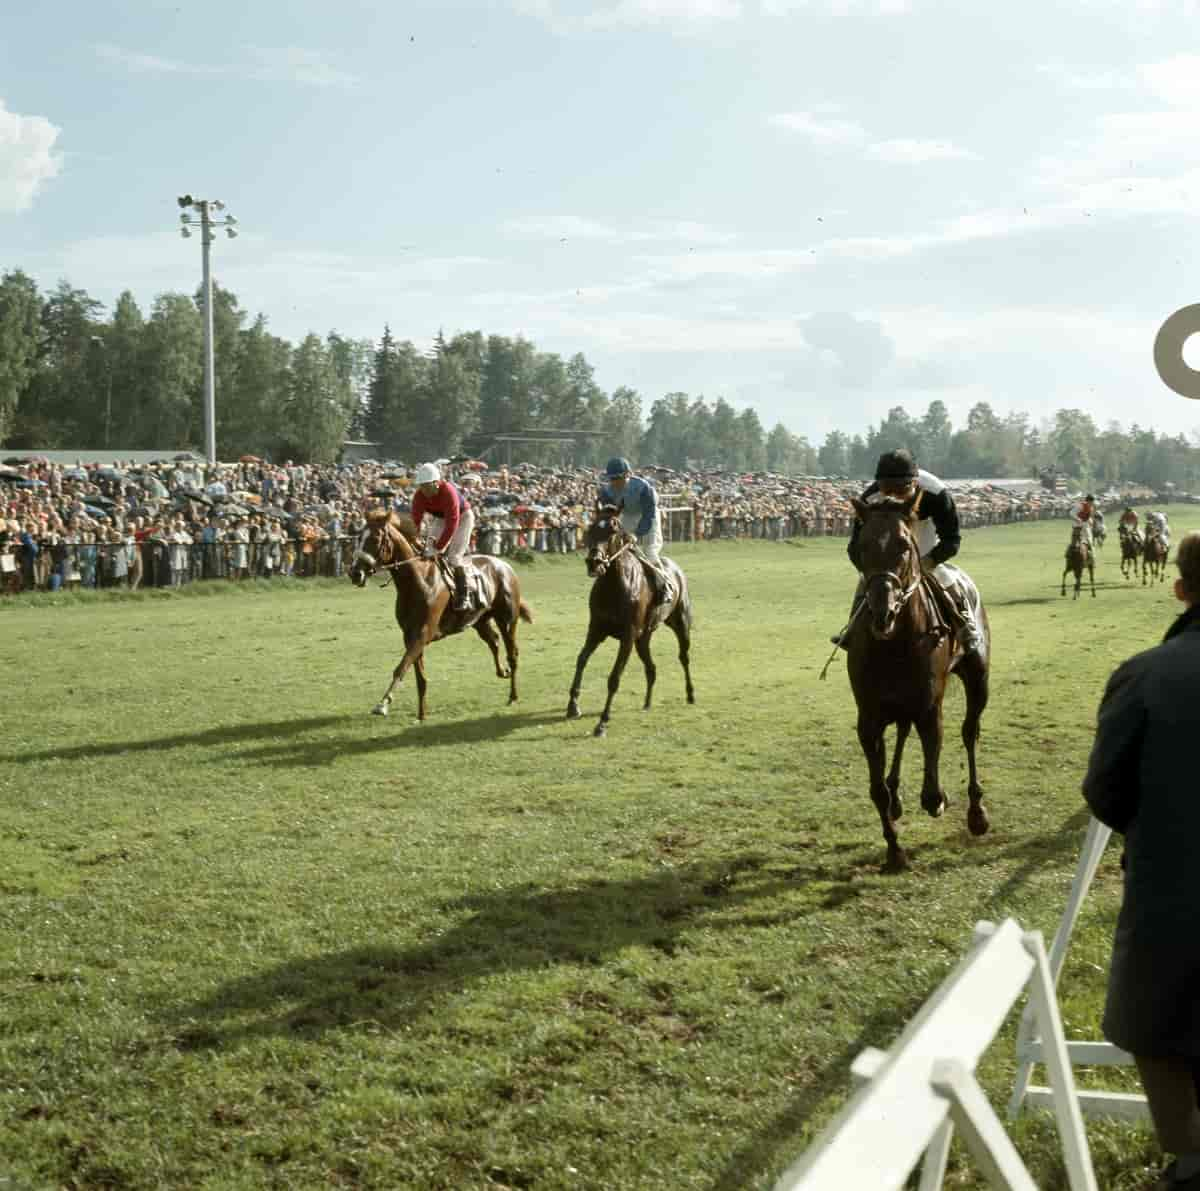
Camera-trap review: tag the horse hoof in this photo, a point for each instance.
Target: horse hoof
(978, 821)
(691, 698)
(502, 674)
(573, 712)
(897, 861)
(379, 709)
(935, 810)
(600, 730)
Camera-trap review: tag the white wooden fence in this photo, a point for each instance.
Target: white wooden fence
(1030, 1046)
(914, 1095)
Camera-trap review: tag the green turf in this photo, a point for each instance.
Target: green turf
(251, 936)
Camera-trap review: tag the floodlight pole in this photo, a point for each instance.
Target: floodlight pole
(203, 207)
(210, 380)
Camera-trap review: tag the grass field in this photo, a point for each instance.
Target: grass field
(251, 936)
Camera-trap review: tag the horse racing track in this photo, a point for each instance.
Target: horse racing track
(253, 936)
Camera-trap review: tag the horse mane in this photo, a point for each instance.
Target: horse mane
(400, 521)
(889, 504)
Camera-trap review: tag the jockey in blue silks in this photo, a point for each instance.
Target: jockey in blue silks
(638, 504)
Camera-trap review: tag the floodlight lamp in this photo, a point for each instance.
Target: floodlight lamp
(231, 219)
(217, 204)
(185, 200)
(185, 219)
(231, 233)
(185, 233)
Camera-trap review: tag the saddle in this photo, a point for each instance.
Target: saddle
(477, 594)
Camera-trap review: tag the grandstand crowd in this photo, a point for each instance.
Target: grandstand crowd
(170, 522)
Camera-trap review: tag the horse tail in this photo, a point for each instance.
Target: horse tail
(525, 612)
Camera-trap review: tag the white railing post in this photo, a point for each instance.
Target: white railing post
(914, 1095)
(1033, 1047)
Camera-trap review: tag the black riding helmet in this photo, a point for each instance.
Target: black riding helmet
(896, 465)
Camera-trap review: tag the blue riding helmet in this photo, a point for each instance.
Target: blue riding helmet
(616, 467)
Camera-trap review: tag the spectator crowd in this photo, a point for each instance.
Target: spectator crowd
(175, 521)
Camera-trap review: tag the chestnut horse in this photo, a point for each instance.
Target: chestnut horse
(899, 661)
(1154, 557)
(1131, 551)
(1079, 558)
(423, 601)
(622, 605)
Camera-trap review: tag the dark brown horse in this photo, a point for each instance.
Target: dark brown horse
(1131, 551)
(899, 663)
(622, 605)
(1154, 557)
(1079, 559)
(423, 601)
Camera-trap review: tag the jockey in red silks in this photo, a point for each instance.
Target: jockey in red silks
(1081, 517)
(451, 523)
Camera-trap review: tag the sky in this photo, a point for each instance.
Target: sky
(818, 208)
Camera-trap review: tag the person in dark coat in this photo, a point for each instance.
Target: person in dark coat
(1141, 782)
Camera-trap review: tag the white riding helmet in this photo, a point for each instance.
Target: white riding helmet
(427, 473)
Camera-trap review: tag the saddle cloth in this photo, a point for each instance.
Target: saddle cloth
(480, 588)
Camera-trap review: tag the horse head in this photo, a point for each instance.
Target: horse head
(386, 541)
(604, 538)
(889, 559)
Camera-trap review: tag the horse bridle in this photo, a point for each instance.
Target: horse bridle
(891, 577)
(360, 555)
(601, 562)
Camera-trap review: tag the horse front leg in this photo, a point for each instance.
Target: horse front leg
(411, 653)
(1092, 578)
(624, 649)
(929, 728)
(1066, 572)
(870, 737)
(896, 807)
(643, 651)
(594, 637)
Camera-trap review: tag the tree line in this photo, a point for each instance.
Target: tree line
(72, 376)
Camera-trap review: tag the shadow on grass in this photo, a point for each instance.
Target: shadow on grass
(520, 929)
(316, 753)
(222, 735)
(282, 749)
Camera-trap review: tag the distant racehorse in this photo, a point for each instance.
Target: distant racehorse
(1154, 557)
(423, 601)
(1099, 533)
(1131, 551)
(1079, 558)
(899, 662)
(622, 605)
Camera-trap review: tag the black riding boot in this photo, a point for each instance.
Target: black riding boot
(461, 603)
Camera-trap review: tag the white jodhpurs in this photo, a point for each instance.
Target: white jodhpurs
(460, 543)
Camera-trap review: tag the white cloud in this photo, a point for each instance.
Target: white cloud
(660, 13)
(297, 65)
(267, 64)
(27, 158)
(824, 127)
(824, 130)
(578, 227)
(1175, 81)
(916, 151)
